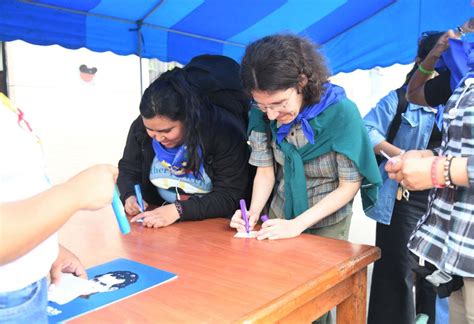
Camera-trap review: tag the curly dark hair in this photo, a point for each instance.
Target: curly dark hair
(174, 97)
(280, 62)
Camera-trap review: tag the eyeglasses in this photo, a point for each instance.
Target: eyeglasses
(279, 107)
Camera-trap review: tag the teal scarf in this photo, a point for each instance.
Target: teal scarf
(339, 128)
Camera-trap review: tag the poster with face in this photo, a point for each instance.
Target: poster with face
(109, 283)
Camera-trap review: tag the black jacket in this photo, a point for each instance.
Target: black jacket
(226, 155)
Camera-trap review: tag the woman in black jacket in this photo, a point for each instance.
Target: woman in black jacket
(189, 156)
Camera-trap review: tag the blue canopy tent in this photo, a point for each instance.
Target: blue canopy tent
(353, 33)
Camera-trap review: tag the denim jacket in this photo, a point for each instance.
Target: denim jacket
(414, 134)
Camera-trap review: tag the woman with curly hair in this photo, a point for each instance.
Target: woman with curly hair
(308, 142)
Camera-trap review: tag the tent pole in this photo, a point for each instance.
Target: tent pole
(139, 47)
(141, 77)
(139, 35)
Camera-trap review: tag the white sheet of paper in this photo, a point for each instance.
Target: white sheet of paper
(69, 288)
(252, 234)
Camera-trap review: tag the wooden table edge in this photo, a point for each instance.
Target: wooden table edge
(284, 305)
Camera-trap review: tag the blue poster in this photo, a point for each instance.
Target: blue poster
(115, 280)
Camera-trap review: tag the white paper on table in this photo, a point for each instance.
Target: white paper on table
(69, 288)
(252, 234)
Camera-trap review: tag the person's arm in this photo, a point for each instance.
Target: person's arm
(416, 173)
(263, 184)
(334, 201)
(377, 122)
(262, 189)
(462, 171)
(66, 262)
(416, 85)
(389, 149)
(416, 92)
(26, 223)
(279, 229)
(349, 183)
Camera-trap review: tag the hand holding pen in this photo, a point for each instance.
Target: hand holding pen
(238, 221)
(392, 160)
(138, 194)
(243, 210)
(132, 205)
(402, 192)
(140, 201)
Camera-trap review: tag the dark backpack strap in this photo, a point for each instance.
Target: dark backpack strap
(397, 120)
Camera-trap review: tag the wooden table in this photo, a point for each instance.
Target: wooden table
(222, 279)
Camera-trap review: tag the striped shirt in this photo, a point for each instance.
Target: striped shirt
(445, 234)
(322, 173)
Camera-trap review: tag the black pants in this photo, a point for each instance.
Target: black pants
(391, 292)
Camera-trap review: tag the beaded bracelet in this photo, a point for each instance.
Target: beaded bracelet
(460, 31)
(447, 171)
(179, 207)
(425, 71)
(434, 168)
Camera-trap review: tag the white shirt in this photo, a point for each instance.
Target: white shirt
(22, 175)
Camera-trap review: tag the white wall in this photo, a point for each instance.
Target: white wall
(81, 123)
(366, 87)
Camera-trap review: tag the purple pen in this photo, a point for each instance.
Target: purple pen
(243, 209)
(264, 218)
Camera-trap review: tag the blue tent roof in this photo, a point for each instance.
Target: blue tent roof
(353, 33)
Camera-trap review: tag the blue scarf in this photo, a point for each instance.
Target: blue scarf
(332, 95)
(459, 59)
(175, 159)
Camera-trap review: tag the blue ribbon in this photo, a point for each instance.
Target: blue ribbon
(175, 157)
(459, 59)
(332, 95)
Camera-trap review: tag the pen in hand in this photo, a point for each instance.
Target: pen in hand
(390, 159)
(243, 210)
(138, 194)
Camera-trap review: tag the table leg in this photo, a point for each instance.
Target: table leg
(353, 309)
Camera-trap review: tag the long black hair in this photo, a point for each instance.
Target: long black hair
(279, 62)
(173, 97)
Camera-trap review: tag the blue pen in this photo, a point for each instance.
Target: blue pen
(122, 220)
(243, 209)
(138, 193)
